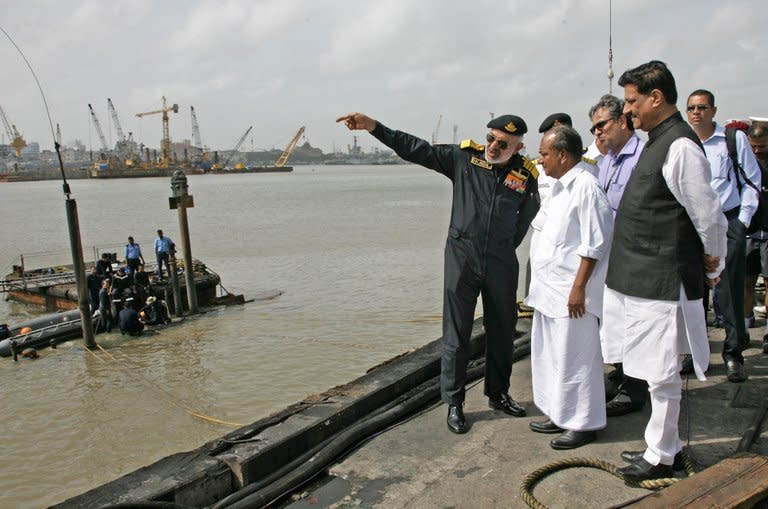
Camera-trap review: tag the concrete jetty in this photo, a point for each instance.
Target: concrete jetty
(418, 463)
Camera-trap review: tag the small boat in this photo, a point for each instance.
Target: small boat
(42, 332)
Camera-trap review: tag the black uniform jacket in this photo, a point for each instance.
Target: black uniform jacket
(492, 205)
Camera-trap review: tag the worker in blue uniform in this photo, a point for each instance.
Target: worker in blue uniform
(495, 198)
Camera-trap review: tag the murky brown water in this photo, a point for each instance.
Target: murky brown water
(356, 250)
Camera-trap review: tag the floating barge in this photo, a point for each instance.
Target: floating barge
(54, 288)
(251, 169)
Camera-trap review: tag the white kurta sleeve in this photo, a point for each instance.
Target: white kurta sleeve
(687, 174)
(595, 223)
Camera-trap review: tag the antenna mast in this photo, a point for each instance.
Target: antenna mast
(610, 48)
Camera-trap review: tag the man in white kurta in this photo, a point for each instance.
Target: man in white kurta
(568, 260)
(669, 235)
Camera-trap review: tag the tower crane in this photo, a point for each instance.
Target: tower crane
(58, 134)
(97, 124)
(15, 139)
(289, 149)
(166, 142)
(437, 129)
(237, 146)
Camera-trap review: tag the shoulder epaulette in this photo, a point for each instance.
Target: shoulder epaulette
(465, 144)
(530, 165)
(589, 161)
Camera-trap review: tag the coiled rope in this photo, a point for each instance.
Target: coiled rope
(170, 398)
(526, 486)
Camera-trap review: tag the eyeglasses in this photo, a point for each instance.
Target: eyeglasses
(600, 126)
(491, 138)
(700, 107)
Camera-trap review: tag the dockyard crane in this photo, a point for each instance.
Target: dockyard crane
(289, 149)
(123, 146)
(115, 120)
(14, 137)
(237, 146)
(99, 132)
(436, 133)
(166, 142)
(196, 138)
(58, 134)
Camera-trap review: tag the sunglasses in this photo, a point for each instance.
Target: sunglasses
(700, 107)
(491, 138)
(600, 126)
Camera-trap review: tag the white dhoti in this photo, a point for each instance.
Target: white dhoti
(567, 371)
(649, 336)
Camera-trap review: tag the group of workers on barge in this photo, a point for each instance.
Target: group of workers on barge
(124, 290)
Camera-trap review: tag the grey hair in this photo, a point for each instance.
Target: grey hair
(611, 103)
(567, 139)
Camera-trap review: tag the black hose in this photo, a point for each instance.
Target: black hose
(295, 473)
(147, 505)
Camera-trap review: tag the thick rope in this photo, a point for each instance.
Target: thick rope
(526, 486)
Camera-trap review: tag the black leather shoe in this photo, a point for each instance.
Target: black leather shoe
(635, 456)
(573, 439)
(687, 365)
(643, 471)
(456, 421)
(506, 404)
(621, 405)
(545, 427)
(735, 372)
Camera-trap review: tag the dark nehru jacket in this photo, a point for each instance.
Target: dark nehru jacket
(655, 245)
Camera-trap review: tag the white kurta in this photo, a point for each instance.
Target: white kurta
(649, 335)
(566, 364)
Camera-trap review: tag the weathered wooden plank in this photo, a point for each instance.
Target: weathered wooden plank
(736, 482)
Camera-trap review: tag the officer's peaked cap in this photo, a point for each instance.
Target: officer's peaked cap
(555, 119)
(511, 124)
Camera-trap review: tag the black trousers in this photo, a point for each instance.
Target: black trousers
(730, 291)
(498, 287)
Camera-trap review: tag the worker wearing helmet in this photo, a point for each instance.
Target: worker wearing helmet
(495, 197)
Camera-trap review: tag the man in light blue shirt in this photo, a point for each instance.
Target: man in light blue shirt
(163, 246)
(614, 131)
(738, 201)
(133, 256)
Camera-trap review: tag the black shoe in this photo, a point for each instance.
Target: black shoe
(635, 456)
(456, 421)
(641, 470)
(545, 427)
(508, 405)
(687, 368)
(622, 405)
(572, 439)
(765, 343)
(735, 372)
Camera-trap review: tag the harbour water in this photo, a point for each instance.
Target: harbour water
(356, 251)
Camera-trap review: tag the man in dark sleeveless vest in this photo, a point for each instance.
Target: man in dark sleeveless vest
(668, 236)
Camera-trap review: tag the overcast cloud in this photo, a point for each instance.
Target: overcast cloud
(278, 65)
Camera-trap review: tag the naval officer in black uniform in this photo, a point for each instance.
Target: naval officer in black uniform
(495, 198)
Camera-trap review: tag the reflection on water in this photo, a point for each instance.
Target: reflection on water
(357, 252)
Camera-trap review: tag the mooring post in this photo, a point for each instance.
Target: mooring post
(178, 307)
(181, 201)
(78, 266)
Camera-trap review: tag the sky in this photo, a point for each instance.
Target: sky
(278, 65)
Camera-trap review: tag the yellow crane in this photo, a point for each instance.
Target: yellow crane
(14, 137)
(289, 149)
(166, 142)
